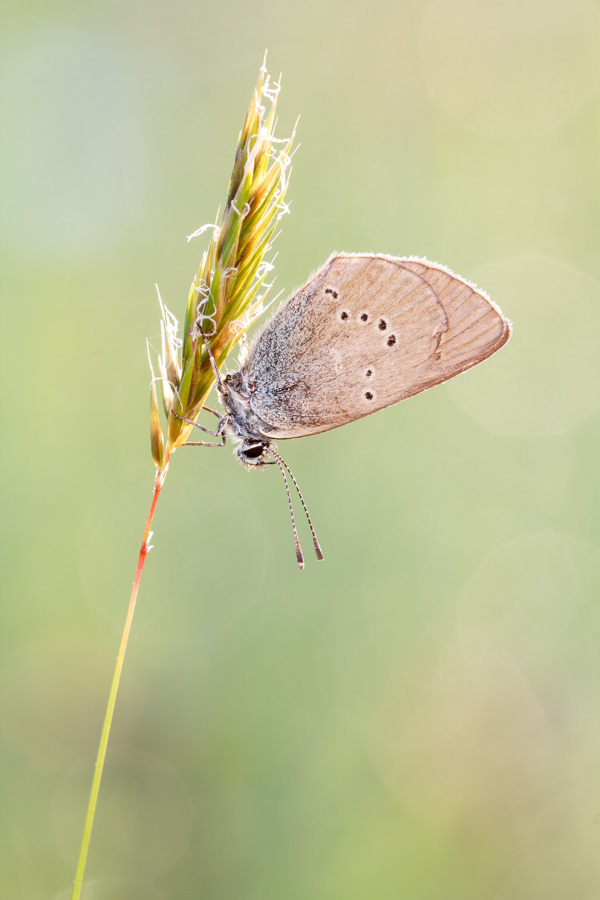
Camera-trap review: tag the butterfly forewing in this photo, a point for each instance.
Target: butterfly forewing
(364, 333)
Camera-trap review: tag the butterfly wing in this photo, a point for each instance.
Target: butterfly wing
(365, 332)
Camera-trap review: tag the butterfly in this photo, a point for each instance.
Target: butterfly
(365, 332)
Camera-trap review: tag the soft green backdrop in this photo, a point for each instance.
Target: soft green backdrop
(417, 716)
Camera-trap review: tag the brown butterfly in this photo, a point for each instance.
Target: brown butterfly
(365, 332)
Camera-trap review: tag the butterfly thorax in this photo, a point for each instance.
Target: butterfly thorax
(241, 423)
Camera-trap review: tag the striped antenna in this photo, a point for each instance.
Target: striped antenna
(299, 555)
(282, 462)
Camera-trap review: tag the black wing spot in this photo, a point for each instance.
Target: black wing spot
(369, 395)
(369, 372)
(332, 292)
(364, 317)
(344, 315)
(391, 340)
(382, 325)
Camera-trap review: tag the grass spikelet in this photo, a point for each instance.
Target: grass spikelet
(229, 291)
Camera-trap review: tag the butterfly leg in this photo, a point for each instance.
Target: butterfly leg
(217, 433)
(205, 443)
(213, 411)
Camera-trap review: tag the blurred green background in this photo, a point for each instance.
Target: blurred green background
(417, 716)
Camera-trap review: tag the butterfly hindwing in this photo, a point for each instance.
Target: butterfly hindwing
(365, 332)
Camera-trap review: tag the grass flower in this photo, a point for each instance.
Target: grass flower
(228, 293)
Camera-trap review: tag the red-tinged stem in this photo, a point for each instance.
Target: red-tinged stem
(112, 697)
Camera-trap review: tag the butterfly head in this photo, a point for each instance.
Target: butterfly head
(253, 449)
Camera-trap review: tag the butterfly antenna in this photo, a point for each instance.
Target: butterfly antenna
(318, 551)
(299, 555)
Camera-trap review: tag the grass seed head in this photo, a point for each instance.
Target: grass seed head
(228, 293)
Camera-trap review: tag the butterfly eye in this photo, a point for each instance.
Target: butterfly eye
(254, 452)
